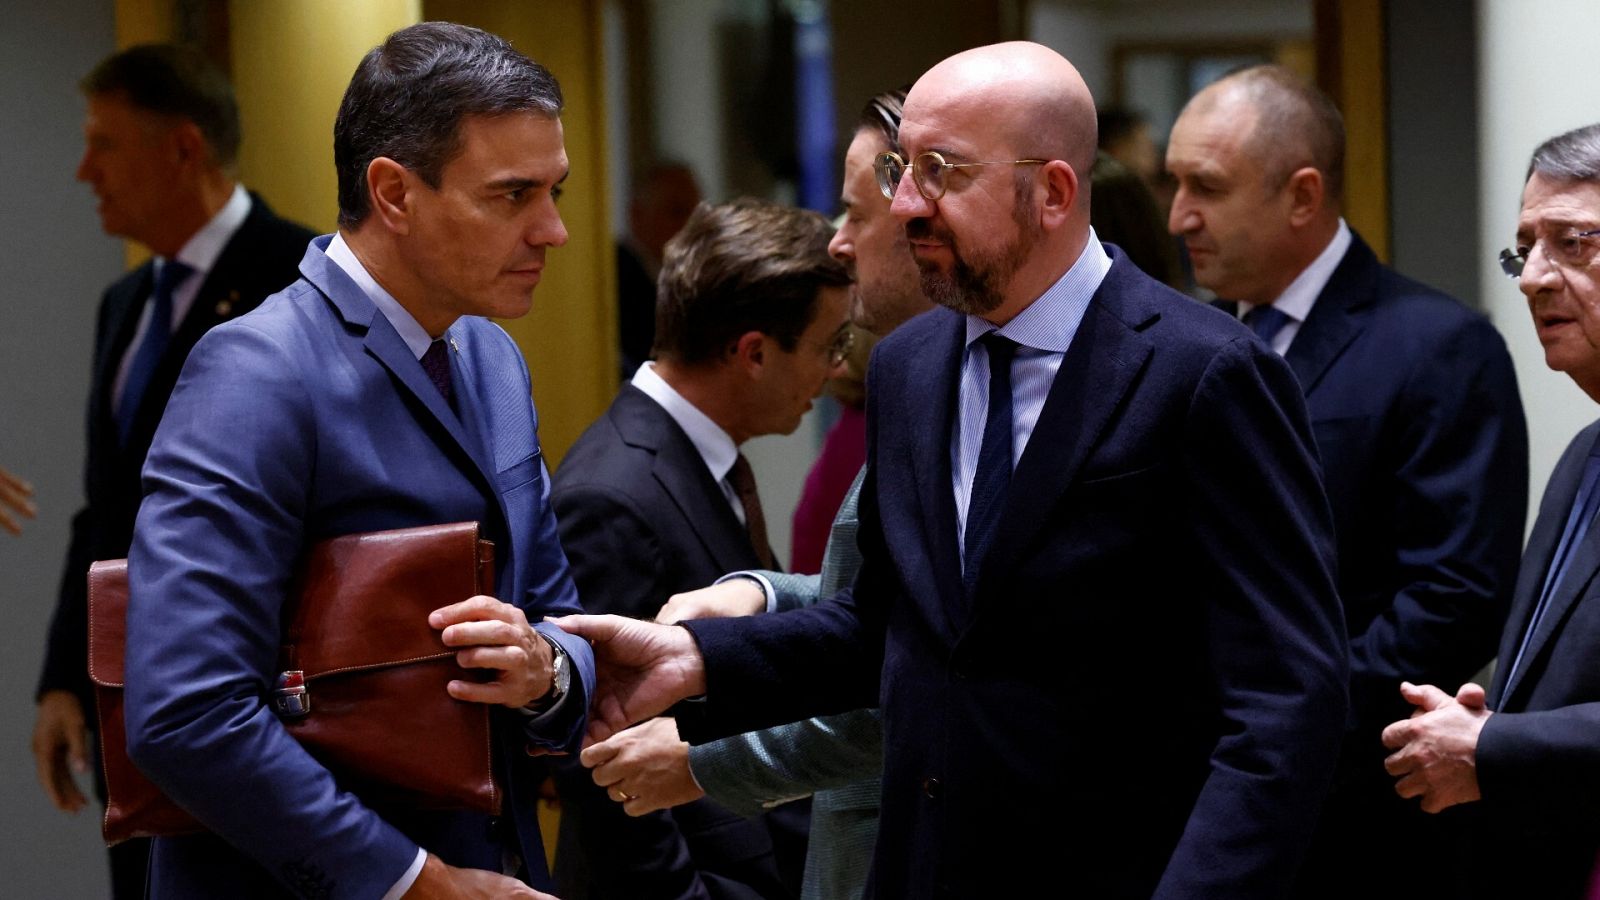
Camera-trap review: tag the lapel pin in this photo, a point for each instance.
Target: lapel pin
(224, 307)
(455, 346)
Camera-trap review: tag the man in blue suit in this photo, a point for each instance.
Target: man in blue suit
(1096, 603)
(1526, 756)
(1414, 404)
(371, 394)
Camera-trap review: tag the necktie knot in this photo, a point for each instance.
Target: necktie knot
(1266, 321)
(1002, 350)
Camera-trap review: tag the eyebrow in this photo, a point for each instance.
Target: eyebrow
(517, 183)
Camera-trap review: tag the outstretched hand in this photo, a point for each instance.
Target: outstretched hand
(641, 669)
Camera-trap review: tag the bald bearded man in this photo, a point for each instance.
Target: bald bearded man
(1096, 604)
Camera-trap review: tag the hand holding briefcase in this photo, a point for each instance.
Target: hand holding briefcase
(361, 683)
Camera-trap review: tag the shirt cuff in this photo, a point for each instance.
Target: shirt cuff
(409, 878)
(760, 579)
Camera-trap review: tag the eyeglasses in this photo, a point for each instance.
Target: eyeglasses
(1573, 249)
(839, 347)
(928, 171)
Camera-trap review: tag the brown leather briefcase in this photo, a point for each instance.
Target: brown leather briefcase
(361, 682)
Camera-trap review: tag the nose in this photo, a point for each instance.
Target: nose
(1539, 274)
(84, 173)
(843, 245)
(548, 230)
(1183, 219)
(908, 202)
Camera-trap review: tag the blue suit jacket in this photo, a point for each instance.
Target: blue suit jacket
(1413, 400)
(1145, 694)
(1538, 756)
(304, 420)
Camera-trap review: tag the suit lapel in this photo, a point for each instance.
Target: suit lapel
(682, 473)
(936, 378)
(123, 319)
(1536, 562)
(1100, 366)
(1337, 317)
(385, 345)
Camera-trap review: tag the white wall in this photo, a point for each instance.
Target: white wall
(55, 262)
(1538, 75)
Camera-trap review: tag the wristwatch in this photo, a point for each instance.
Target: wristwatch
(560, 678)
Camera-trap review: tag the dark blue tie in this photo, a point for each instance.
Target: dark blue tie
(157, 334)
(992, 480)
(1266, 321)
(1584, 506)
(437, 363)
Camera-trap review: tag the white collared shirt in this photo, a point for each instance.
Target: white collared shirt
(405, 324)
(200, 254)
(717, 450)
(1301, 295)
(1042, 331)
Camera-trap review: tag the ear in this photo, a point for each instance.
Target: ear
(749, 352)
(188, 144)
(389, 187)
(1306, 190)
(1060, 194)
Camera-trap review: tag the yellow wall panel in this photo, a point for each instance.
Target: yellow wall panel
(569, 339)
(291, 62)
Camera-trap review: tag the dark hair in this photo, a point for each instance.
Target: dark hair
(1117, 122)
(1124, 212)
(173, 80)
(409, 95)
(1571, 156)
(747, 265)
(1293, 115)
(882, 114)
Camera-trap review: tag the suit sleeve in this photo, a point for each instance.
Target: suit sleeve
(1275, 631)
(1459, 502)
(751, 772)
(216, 544)
(1544, 765)
(554, 593)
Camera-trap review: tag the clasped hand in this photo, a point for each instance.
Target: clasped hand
(496, 636)
(1436, 749)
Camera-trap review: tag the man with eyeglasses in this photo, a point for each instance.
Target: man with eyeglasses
(752, 317)
(1096, 603)
(1414, 404)
(1526, 755)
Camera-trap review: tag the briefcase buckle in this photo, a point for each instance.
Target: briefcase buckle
(290, 698)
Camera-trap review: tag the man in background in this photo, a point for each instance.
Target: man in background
(663, 197)
(161, 143)
(838, 759)
(1414, 403)
(655, 499)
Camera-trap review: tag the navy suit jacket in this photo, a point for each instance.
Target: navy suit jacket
(1538, 756)
(260, 258)
(1144, 696)
(1414, 404)
(642, 519)
(307, 419)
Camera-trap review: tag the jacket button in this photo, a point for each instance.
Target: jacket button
(931, 787)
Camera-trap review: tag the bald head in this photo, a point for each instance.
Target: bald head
(1036, 100)
(1292, 124)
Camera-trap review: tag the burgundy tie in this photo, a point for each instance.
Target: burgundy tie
(743, 481)
(437, 363)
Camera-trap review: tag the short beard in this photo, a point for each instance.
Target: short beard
(978, 287)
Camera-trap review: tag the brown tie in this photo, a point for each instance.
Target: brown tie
(743, 481)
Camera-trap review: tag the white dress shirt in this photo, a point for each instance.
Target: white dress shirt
(717, 450)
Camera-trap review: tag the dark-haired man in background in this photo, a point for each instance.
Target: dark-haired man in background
(161, 140)
(372, 394)
(655, 498)
(1414, 403)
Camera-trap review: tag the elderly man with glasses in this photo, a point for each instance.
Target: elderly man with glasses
(1526, 754)
(1096, 602)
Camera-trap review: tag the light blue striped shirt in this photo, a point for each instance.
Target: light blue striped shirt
(1043, 332)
